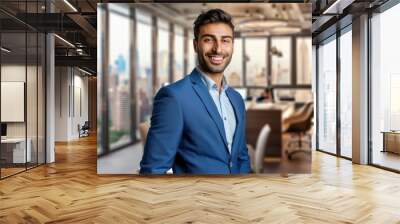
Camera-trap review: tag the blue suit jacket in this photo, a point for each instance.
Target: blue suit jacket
(187, 133)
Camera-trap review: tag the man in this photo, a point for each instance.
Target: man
(198, 123)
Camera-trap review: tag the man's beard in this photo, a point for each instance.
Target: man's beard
(206, 66)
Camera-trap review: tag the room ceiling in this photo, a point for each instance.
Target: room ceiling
(79, 27)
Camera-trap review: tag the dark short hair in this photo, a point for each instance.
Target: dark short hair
(212, 16)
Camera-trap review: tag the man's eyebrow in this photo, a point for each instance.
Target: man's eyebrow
(213, 36)
(227, 37)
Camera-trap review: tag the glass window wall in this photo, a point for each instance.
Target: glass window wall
(327, 96)
(162, 53)
(303, 58)
(346, 93)
(385, 89)
(256, 61)
(178, 52)
(119, 88)
(234, 71)
(144, 74)
(281, 54)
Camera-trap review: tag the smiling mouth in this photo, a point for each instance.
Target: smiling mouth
(216, 59)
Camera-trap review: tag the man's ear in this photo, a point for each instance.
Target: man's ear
(195, 45)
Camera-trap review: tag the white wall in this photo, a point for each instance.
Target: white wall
(12, 73)
(71, 87)
(33, 125)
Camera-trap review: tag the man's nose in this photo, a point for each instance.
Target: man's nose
(217, 47)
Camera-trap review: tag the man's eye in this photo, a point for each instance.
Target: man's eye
(207, 40)
(226, 41)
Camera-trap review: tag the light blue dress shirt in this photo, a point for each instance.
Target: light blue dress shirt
(224, 106)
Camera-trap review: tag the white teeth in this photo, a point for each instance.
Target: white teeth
(216, 59)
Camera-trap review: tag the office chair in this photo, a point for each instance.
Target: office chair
(257, 155)
(299, 125)
(296, 116)
(84, 130)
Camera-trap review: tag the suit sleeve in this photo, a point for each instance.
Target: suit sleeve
(243, 158)
(164, 134)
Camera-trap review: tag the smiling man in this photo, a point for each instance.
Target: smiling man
(198, 123)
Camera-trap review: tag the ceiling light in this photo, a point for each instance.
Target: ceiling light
(84, 71)
(70, 5)
(256, 24)
(5, 50)
(64, 40)
(286, 30)
(255, 34)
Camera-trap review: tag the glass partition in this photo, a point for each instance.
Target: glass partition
(22, 92)
(15, 152)
(41, 79)
(327, 96)
(32, 98)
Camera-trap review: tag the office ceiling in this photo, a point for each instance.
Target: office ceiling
(76, 21)
(76, 25)
(255, 16)
(294, 12)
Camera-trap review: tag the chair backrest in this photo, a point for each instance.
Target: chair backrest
(303, 109)
(143, 129)
(298, 116)
(304, 124)
(86, 125)
(261, 149)
(301, 113)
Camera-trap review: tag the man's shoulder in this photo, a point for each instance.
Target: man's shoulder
(179, 85)
(176, 88)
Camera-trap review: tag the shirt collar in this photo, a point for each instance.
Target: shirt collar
(210, 84)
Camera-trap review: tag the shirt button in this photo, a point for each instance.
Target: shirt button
(224, 118)
(231, 164)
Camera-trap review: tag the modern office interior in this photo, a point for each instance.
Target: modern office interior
(270, 68)
(358, 87)
(32, 97)
(319, 79)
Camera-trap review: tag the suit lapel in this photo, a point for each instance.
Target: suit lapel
(208, 103)
(235, 104)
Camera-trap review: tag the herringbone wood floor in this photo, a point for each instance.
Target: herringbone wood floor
(70, 191)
